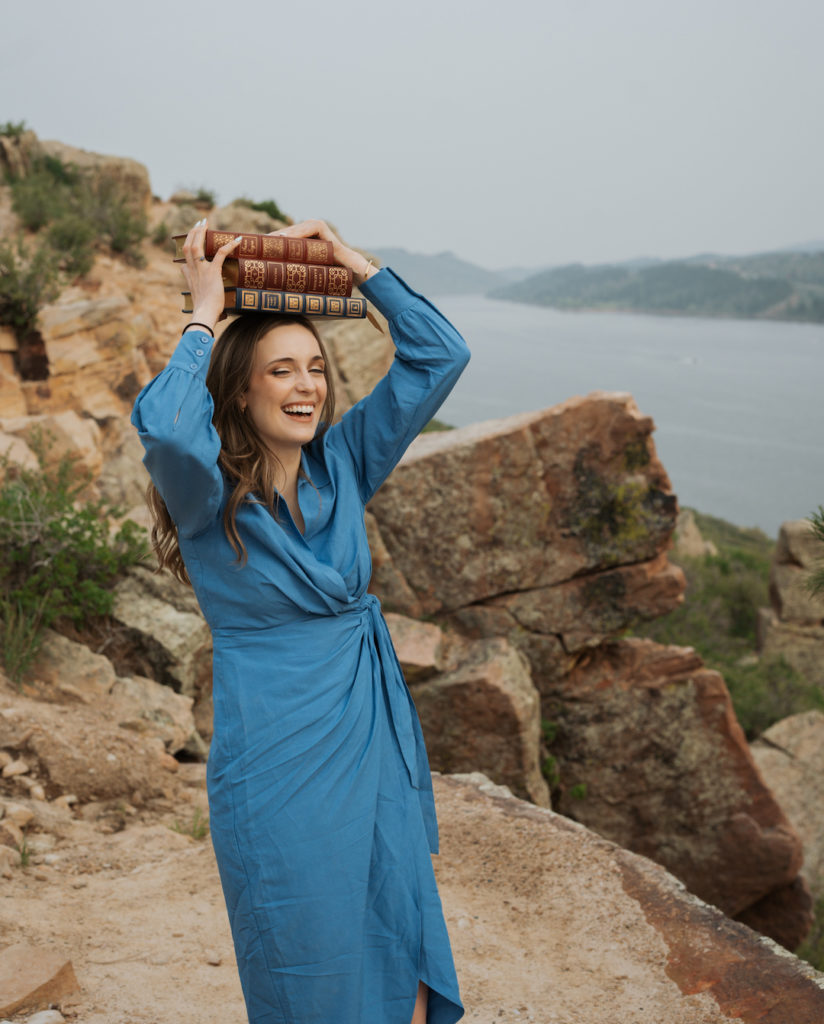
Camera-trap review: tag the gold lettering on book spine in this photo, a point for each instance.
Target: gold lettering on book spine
(295, 249)
(316, 279)
(273, 302)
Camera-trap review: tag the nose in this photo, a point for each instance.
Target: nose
(305, 382)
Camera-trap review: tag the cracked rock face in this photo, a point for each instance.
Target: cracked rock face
(549, 531)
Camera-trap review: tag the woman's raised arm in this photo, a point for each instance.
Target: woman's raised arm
(173, 413)
(430, 356)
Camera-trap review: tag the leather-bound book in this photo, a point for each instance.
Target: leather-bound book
(257, 300)
(264, 247)
(287, 277)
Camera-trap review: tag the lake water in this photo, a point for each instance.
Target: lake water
(738, 404)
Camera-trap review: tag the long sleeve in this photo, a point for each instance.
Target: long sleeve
(430, 356)
(173, 416)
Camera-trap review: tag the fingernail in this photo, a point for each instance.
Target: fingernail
(238, 238)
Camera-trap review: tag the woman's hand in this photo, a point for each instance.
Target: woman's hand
(204, 276)
(359, 265)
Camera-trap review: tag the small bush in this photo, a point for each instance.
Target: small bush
(162, 236)
(72, 239)
(58, 559)
(29, 279)
(816, 580)
(53, 192)
(266, 206)
(718, 618)
(45, 194)
(203, 196)
(115, 219)
(197, 828)
(12, 129)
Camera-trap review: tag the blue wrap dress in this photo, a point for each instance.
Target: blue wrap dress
(321, 808)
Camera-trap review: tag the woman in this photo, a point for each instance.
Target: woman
(321, 807)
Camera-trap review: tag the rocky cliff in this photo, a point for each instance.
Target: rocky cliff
(512, 558)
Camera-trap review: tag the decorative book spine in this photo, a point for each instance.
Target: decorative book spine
(288, 277)
(257, 300)
(264, 247)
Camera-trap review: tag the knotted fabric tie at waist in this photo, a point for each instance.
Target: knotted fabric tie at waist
(400, 702)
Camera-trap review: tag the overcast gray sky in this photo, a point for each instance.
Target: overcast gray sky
(510, 132)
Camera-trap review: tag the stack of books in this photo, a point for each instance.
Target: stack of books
(276, 274)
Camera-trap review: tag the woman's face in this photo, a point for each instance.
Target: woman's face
(287, 387)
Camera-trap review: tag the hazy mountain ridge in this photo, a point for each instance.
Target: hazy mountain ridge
(447, 274)
(785, 285)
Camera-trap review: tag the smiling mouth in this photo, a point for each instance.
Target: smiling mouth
(299, 412)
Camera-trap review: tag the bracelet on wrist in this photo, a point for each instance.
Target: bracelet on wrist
(196, 323)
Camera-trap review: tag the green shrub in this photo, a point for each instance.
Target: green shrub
(12, 129)
(115, 218)
(29, 279)
(266, 206)
(58, 559)
(718, 618)
(72, 239)
(54, 193)
(205, 196)
(816, 580)
(162, 236)
(197, 828)
(46, 193)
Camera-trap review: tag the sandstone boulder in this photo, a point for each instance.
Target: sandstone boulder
(145, 706)
(594, 933)
(800, 644)
(12, 397)
(129, 176)
(95, 361)
(65, 433)
(485, 715)
(420, 646)
(32, 978)
(17, 153)
(80, 750)
(166, 638)
(688, 541)
(16, 452)
(526, 502)
(651, 756)
(793, 627)
(790, 756)
(797, 552)
(66, 670)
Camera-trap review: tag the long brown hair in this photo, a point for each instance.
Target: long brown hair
(244, 456)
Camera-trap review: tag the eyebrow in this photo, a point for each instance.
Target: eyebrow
(289, 359)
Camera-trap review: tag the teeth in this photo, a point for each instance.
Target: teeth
(299, 408)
